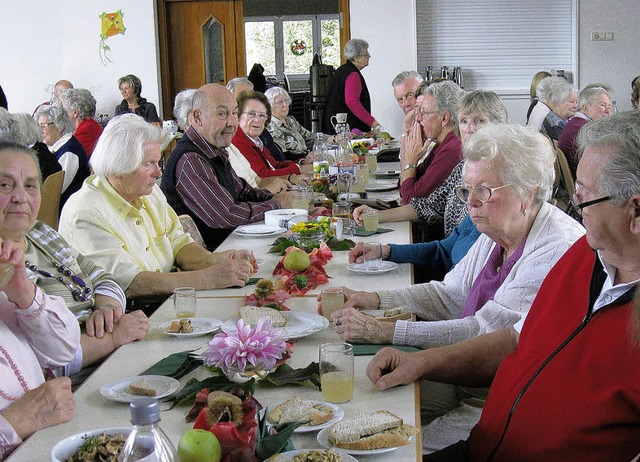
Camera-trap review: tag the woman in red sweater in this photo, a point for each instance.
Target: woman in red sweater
(254, 110)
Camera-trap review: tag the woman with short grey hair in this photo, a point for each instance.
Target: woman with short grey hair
(348, 92)
(57, 134)
(130, 87)
(28, 133)
(81, 107)
(183, 108)
(557, 103)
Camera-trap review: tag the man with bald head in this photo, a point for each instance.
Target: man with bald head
(198, 178)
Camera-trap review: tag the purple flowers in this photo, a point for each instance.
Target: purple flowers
(259, 347)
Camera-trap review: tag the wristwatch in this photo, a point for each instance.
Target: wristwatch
(408, 166)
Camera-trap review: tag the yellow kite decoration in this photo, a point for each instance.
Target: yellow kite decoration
(112, 24)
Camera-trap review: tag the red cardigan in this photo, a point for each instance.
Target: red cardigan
(434, 170)
(262, 162)
(88, 133)
(584, 405)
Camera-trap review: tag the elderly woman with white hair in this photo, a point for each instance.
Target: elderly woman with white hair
(183, 108)
(348, 91)
(508, 178)
(285, 129)
(81, 107)
(121, 219)
(57, 134)
(28, 133)
(557, 103)
(594, 104)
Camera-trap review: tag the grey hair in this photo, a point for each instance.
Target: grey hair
(183, 107)
(447, 95)
(523, 157)
(8, 126)
(233, 83)
(27, 129)
(404, 75)
(273, 92)
(620, 133)
(554, 89)
(58, 116)
(134, 82)
(589, 94)
(354, 48)
(81, 100)
(120, 148)
(486, 102)
(14, 146)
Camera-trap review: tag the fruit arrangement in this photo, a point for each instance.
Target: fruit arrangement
(300, 271)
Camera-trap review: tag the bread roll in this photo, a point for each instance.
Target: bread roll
(252, 314)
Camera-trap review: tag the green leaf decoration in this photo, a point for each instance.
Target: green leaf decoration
(286, 375)
(187, 394)
(269, 445)
(282, 243)
(175, 365)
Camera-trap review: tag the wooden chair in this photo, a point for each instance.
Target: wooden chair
(567, 186)
(50, 206)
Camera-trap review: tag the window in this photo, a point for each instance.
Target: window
(499, 44)
(286, 45)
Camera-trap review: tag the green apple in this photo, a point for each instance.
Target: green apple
(199, 446)
(296, 260)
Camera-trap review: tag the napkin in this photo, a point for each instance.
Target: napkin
(368, 349)
(361, 232)
(175, 365)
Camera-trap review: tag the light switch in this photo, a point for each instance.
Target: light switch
(601, 36)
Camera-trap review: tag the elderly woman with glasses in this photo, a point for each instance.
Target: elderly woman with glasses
(57, 134)
(285, 129)
(594, 104)
(254, 110)
(508, 178)
(348, 92)
(424, 167)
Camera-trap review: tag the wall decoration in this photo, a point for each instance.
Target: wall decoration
(111, 24)
(298, 47)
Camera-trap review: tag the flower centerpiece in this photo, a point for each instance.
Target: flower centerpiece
(250, 349)
(309, 234)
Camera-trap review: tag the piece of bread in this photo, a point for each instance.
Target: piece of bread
(142, 388)
(382, 429)
(298, 410)
(185, 326)
(252, 314)
(174, 327)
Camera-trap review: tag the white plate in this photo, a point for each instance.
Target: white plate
(258, 230)
(381, 186)
(361, 268)
(387, 173)
(298, 325)
(289, 455)
(319, 322)
(338, 414)
(201, 326)
(118, 390)
(323, 440)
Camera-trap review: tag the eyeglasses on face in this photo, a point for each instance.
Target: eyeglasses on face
(45, 125)
(482, 193)
(579, 203)
(424, 113)
(256, 115)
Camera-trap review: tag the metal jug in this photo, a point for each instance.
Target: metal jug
(457, 77)
(444, 72)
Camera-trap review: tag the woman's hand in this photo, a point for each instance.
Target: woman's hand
(356, 327)
(361, 300)
(129, 328)
(106, 313)
(358, 214)
(414, 147)
(357, 255)
(50, 404)
(19, 289)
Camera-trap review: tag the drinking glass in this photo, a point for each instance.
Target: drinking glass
(371, 220)
(184, 302)
(336, 372)
(332, 301)
(372, 161)
(300, 200)
(341, 209)
(372, 256)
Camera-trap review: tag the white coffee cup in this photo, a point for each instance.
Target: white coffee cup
(340, 118)
(171, 126)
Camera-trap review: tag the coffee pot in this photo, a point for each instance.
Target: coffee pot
(457, 77)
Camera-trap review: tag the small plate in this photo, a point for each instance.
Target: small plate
(381, 186)
(258, 230)
(298, 325)
(338, 414)
(320, 323)
(118, 390)
(323, 440)
(289, 455)
(361, 268)
(201, 326)
(387, 173)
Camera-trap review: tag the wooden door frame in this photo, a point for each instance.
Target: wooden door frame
(163, 44)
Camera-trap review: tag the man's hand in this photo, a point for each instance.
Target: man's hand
(228, 273)
(358, 214)
(49, 404)
(285, 199)
(391, 367)
(353, 326)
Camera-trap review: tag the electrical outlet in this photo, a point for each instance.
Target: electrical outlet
(601, 36)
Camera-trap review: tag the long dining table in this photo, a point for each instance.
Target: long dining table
(94, 411)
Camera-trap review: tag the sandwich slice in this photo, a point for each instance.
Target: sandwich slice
(382, 429)
(142, 388)
(252, 314)
(298, 410)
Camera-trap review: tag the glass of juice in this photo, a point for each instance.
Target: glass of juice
(300, 200)
(184, 302)
(336, 372)
(372, 162)
(371, 220)
(332, 301)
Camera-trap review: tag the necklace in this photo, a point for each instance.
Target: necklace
(18, 375)
(76, 285)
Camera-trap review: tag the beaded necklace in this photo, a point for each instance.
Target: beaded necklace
(76, 285)
(17, 373)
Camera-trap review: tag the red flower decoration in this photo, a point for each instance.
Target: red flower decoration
(315, 274)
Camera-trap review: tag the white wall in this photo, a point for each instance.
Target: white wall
(44, 41)
(390, 29)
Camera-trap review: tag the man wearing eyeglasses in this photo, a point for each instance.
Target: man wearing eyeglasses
(404, 86)
(198, 179)
(564, 380)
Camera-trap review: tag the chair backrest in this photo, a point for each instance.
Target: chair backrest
(50, 205)
(190, 227)
(567, 178)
